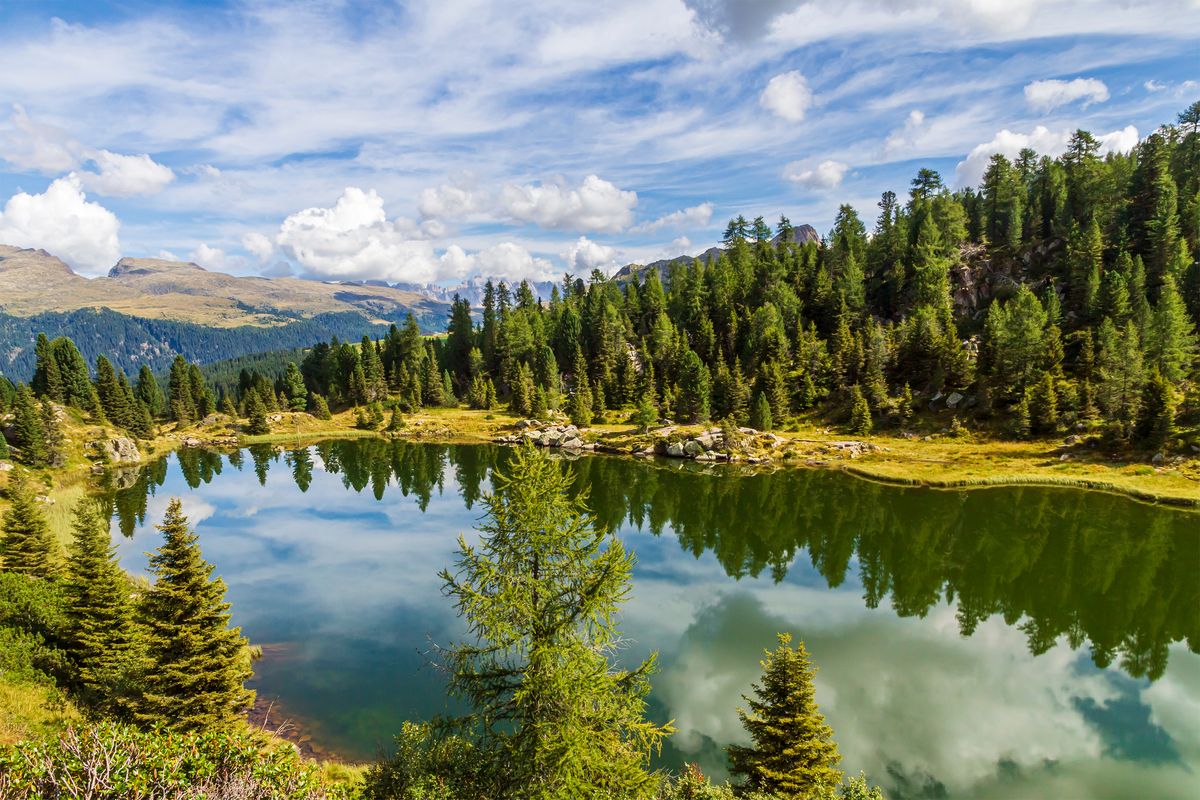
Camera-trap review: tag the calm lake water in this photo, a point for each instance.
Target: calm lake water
(999, 643)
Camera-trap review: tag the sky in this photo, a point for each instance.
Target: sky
(430, 142)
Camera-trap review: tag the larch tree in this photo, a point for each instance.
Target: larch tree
(539, 594)
(103, 638)
(196, 664)
(793, 754)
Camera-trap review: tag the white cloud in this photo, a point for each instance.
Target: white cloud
(209, 257)
(826, 175)
(52, 151)
(594, 205)
(787, 96)
(258, 245)
(906, 137)
(355, 240)
(680, 245)
(694, 217)
(125, 176)
(38, 147)
(585, 255)
(1049, 95)
(62, 221)
(1154, 86)
(1041, 139)
(449, 201)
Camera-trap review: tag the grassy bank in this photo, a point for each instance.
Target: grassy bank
(938, 460)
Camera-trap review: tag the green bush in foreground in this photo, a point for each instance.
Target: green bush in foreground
(110, 761)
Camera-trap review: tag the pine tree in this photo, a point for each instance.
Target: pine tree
(1043, 406)
(4, 454)
(181, 404)
(28, 546)
(793, 754)
(196, 664)
(539, 594)
(297, 393)
(256, 415)
(760, 416)
(579, 405)
(860, 412)
(55, 444)
(1156, 416)
(1169, 337)
(29, 434)
(146, 389)
(113, 401)
(693, 406)
(102, 635)
(47, 379)
(320, 408)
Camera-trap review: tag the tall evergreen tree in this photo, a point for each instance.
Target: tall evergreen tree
(103, 639)
(539, 594)
(197, 664)
(793, 754)
(28, 545)
(29, 435)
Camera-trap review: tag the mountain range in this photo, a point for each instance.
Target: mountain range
(148, 310)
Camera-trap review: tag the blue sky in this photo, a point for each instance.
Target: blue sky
(436, 141)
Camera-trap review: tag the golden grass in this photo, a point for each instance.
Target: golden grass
(30, 710)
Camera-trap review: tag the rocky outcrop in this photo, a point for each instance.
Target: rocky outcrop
(119, 450)
(566, 437)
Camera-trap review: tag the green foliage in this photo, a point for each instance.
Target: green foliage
(429, 764)
(29, 434)
(320, 408)
(793, 754)
(760, 415)
(110, 761)
(196, 663)
(256, 416)
(860, 412)
(103, 641)
(28, 546)
(550, 715)
(1156, 416)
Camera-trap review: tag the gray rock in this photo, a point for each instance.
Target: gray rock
(5, 466)
(706, 440)
(693, 448)
(953, 400)
(571, 443)
(675, 450)
(120, 450)
(1159, 458)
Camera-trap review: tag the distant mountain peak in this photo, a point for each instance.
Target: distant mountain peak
(149, 266)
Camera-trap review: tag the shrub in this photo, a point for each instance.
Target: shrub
(109, 761)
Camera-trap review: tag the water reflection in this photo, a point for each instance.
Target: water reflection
(1007, 642)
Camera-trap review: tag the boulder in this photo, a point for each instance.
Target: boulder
(675, 450)
(706, 440)
(1159, 458)
(120, 450)
(693, 448)
(5, 466)
(953, 400)
(571, 443)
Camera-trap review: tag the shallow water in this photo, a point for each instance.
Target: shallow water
(1003, 643)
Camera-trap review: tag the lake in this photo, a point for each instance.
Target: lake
(1002, 643)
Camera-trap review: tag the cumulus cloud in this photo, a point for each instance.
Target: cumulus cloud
(693, 217)
(355, 240)
(504, 260)
(209, 257)
(63, 221)
(787, 96)
(594, 205)
(826, 175)
(585, 255)
(1049, 95)
(258, 245)
(906, 137)
(124, 176)
(1041, 139)
(449, 201)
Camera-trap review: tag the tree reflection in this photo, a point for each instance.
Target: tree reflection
(1093, 567)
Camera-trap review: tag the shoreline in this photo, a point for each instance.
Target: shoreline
(936, 463)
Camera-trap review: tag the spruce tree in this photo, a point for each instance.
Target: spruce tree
(196, 664)
(4, 454)
(28, 545)
(579, 405)
(1043, 406)
(146, 389)
(793, 754)
(860, 412)
(56, 454)
(693, 405)
(181, 405)
(102, 635)
(296, 392)
(1156, 416)
(539, 594)
(113, 402)
(29, 434)
(760, 415)
(320, 408)
(256, 415)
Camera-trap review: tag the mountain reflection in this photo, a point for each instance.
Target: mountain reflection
(1096, 568)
